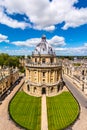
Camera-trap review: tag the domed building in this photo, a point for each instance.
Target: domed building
(43, 71)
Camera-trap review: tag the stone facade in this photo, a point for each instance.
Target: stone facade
(77, 71)
(8, 76)
(43, 71)
(22, 61)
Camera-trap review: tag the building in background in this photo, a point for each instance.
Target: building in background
(8, 77)
(77, 71)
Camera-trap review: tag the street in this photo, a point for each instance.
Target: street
(77, 94)
(81, 123)
(5, 122)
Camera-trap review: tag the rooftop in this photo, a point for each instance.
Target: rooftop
(44, 48)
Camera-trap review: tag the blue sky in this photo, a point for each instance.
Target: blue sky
(22, 23)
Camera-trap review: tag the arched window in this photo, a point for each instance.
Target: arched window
(51, 73)
(44, 74)
(43, 60)
(28, 87)
(35, 59)
(34, 89)
(51, 60)
(82, 72)
(51, 89)
(7, 84)
(58, 88)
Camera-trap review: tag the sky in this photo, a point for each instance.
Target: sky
(23, 22)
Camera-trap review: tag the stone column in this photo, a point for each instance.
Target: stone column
(56, 75)
(39, 76)
(53, 76)
(49, 76)
(27, 74)
(59, 75)
(32, 76)
(45, 77)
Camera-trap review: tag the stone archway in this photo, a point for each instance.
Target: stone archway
(43, 90)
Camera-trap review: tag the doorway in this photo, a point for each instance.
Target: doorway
(43, 90)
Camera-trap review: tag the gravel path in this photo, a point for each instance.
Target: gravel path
(44, 122)
(5, 122)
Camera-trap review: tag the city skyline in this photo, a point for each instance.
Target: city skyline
(63, 22)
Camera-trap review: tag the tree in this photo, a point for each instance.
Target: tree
(10, 61)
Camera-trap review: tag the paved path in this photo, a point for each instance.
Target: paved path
(44, 121)
(5, 123)
(81, 123)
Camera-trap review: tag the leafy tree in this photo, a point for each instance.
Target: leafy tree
(7, 60)
(22, 69)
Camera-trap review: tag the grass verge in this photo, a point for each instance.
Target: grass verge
(25, 110)
(62, 111)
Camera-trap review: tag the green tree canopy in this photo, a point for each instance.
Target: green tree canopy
(10, 61)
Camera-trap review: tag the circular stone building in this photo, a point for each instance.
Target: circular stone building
(43, 71)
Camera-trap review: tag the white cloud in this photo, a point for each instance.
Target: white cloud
(4, 19)
(49, 28)
(29, 42)
(20, 51)
(75, 18)
(54, 41)
(59, 51)
(44, 15)
(6, 47)
(81, 50)
(3, 38)
(57, 41)
(85, 44)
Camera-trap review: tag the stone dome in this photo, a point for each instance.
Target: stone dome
(44, 48)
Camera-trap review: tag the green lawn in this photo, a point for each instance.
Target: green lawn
(26, 111)
(62, 110)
